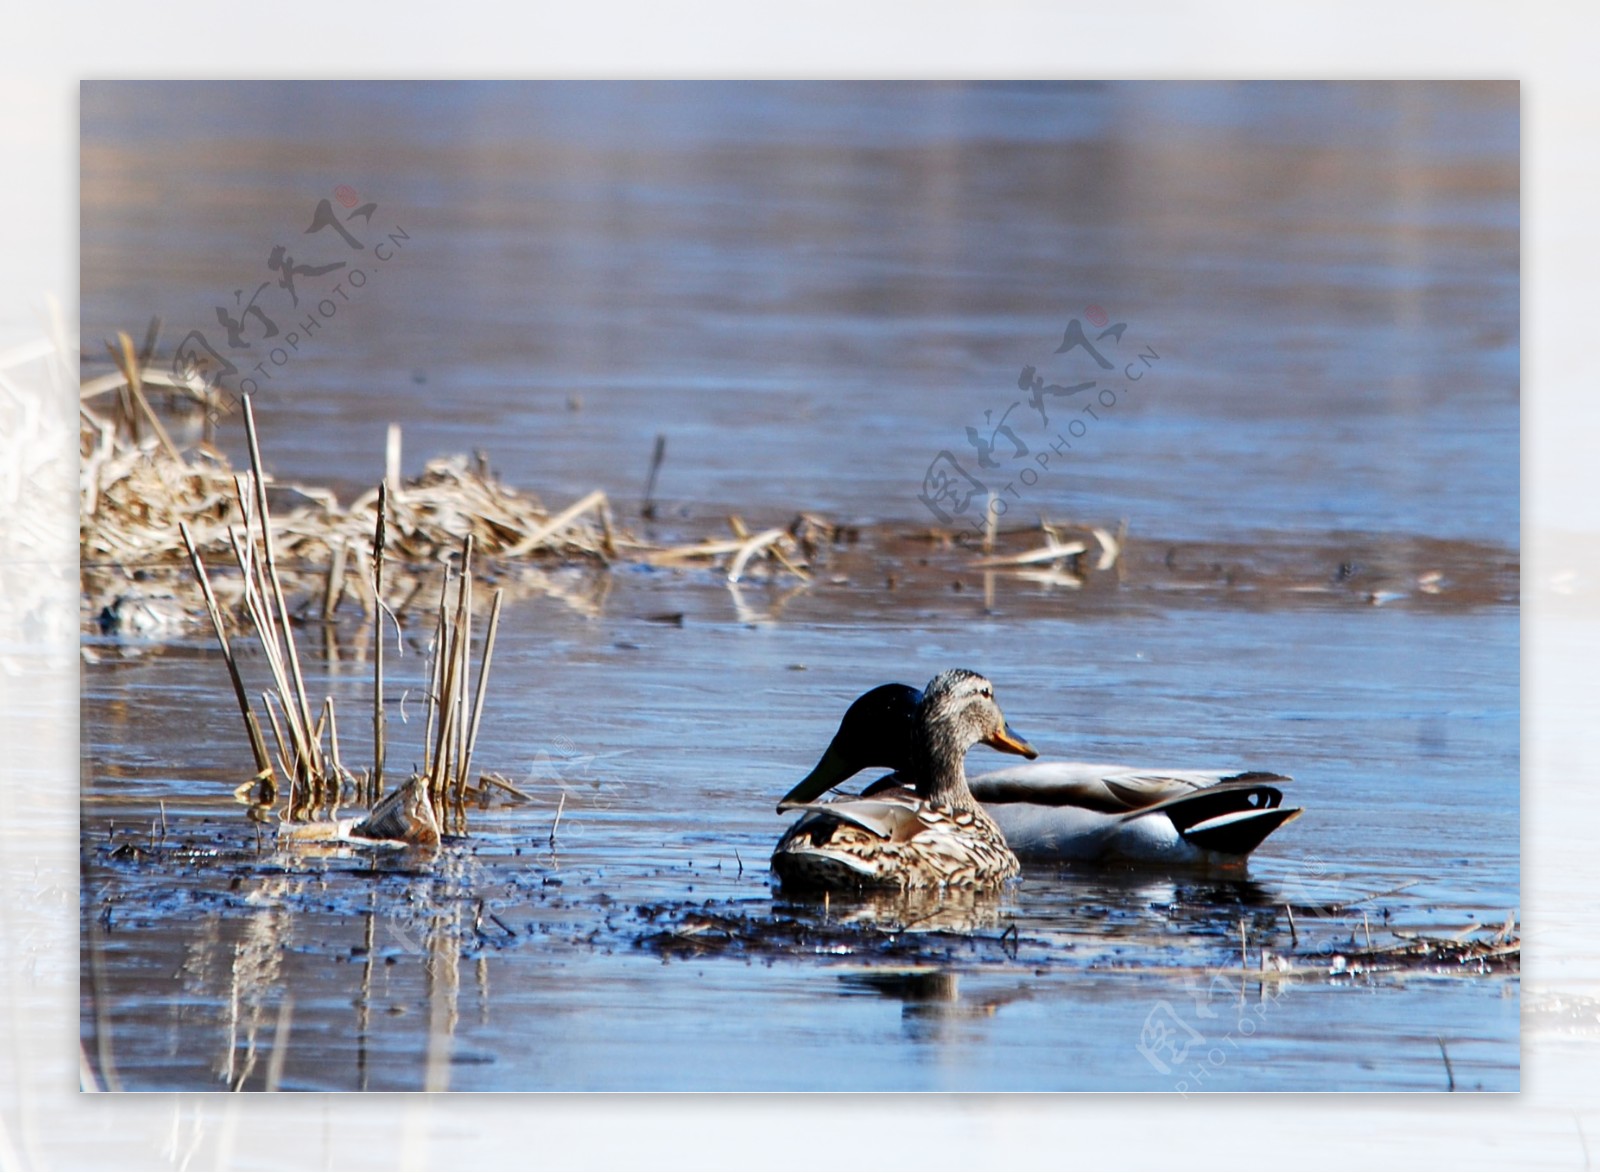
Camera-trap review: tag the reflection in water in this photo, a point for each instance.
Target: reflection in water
(915, 910)
(815, 293)
(776, 601)
(255, 972)
(442, 988)
(248, 989)
(369, 954)
(932, 1007)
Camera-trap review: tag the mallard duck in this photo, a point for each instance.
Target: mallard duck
(931, 835)
(1070, 810)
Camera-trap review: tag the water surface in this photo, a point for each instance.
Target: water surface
(812, 291)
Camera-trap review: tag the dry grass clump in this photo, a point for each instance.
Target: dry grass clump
(138, 488)
(138, 491)
(304, 748)
(171, 536)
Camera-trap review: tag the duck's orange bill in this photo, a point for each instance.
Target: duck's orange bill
(1008, 742)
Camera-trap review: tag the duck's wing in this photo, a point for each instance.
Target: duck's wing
(1104, 788)
(887, 819)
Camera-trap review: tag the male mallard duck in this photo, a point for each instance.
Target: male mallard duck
(1070, 810)
(935, 834)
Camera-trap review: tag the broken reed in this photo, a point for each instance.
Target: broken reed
(308, 752)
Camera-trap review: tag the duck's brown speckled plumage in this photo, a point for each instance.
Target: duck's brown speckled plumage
(933, 845)
(936, 835)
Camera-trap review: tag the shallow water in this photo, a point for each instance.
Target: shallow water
(1403, 756)
(811, 293)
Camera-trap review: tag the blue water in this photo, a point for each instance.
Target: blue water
(814, 289)
(811, 291)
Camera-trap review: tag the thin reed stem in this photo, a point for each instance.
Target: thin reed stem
(272, 574)
(378, 723)
(483, 681)
(258, 745)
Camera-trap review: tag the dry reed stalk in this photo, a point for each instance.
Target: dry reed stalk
(648, 509)
(447, 718)
(464, 651)
(283, 748)
(556, 826)
(776, 550)
(450, 734)
(1052, 551)
(435, 666)
(129, 366)
(391, 460)
(446, 659)
(750, 549)
(378, 724)
(258, 745)
(318, 782)
(271, 563)
(595, 500)
(1110, 546)
(339, 771)
(260, 617)
(709, 548)
(132, 499)
(483, 682)
(138, 499)
(363, 582)
(321, 726)
(148, 376)
(333, 591)
(502, 783)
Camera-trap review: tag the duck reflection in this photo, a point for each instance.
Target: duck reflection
(915, 910)
(932, 1006)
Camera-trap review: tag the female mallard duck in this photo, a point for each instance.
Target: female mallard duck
(933, 835)
(1070, 810)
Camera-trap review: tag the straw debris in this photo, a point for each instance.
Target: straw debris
(138, 488)
(137, 493)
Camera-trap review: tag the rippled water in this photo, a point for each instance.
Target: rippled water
(812, 290)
